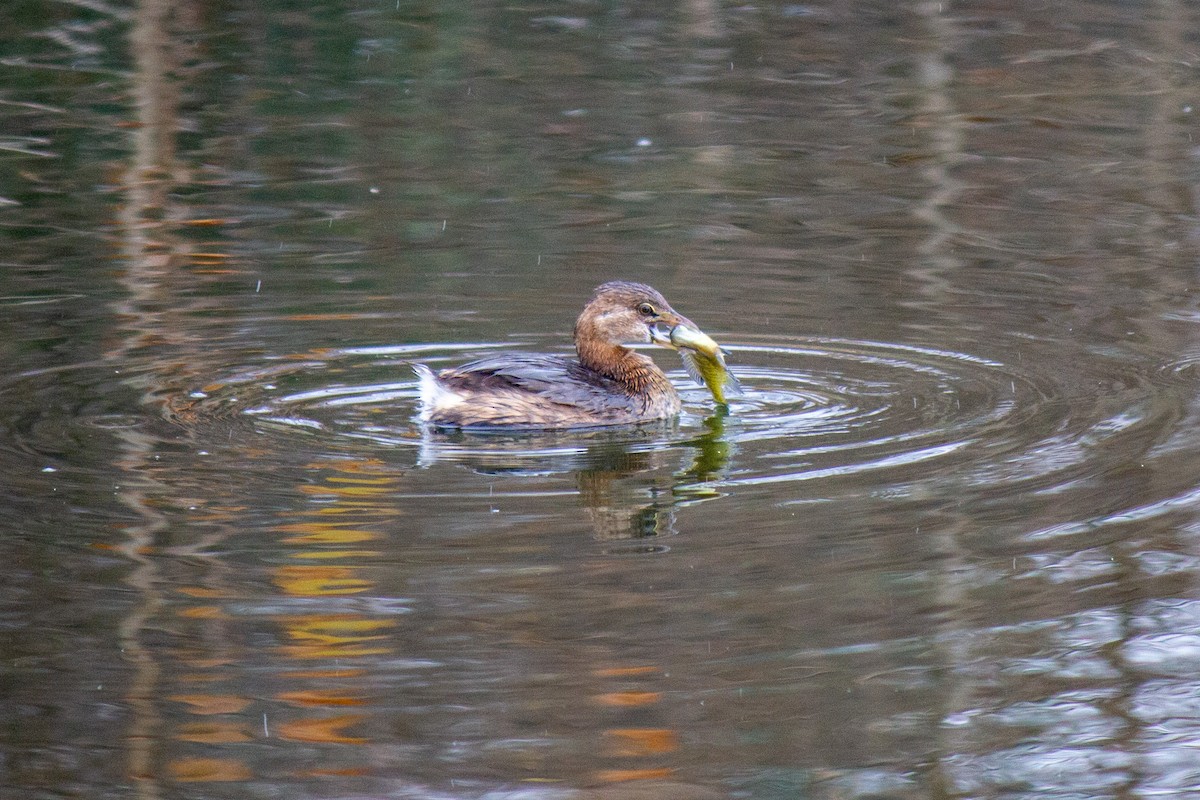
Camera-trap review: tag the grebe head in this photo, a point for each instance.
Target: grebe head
(621, 312)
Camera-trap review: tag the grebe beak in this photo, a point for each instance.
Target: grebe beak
(660, 334)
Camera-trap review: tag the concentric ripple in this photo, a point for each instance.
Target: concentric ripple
(815, 409)
(838, 407)
(888, 416)
(829, 415)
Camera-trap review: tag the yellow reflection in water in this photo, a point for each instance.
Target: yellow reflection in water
(621, 775)
(327, 532)
(333, 637)
(312, 581)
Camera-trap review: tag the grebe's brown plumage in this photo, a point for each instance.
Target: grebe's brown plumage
(608, 384)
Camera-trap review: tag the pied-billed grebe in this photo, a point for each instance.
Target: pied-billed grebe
(608, 384)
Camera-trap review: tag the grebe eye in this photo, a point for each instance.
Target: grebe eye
(646, 309)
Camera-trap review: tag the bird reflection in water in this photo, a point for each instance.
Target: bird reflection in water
(630, 482)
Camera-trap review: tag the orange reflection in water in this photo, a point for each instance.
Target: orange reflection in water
(214, 732)
(212, 703)
(628, 699)
(631, 747)
(624, 672)
(319, 698)
(327, 729)
(345, 509)
(641, 741)
(208, 769)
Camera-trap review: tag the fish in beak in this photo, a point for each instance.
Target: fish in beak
(703, 359)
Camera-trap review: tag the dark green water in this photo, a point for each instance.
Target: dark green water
(948, 545)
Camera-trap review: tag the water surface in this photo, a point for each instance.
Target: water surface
(945, 546)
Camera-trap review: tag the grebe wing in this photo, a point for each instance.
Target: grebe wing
(555, 378)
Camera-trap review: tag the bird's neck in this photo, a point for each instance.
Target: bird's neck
(635, 373)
